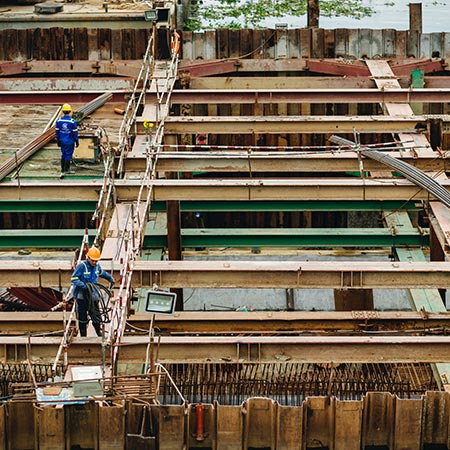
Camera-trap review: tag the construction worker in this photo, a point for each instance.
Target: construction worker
(86, 290)
(66, 138)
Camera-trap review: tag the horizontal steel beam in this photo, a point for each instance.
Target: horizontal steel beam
(298, 82)
(286, 237)
(49, 97)
(35, 322)
(226, 322)
(249, 162)
(220, 349)
(288, 124)
(265, 96)
(46, 206)
(235, 237)
(193, 206)
(251, 189)
(280, 205)
(244, 274)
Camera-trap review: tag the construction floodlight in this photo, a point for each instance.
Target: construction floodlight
(160, 302)
(151, 15)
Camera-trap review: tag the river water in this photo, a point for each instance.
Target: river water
(435, 17)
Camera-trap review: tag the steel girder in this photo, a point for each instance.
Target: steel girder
(188, 349)
(261, 96)
(292, 322)
(236, 189)
(288, 124)
(256, 161)
(244, 274)
(235, 237)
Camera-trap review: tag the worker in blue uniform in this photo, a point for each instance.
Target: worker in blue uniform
(66, 138)
(86, 290)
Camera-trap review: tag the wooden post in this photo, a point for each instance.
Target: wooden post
(313, 13)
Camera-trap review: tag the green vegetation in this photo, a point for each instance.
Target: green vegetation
(251, 13)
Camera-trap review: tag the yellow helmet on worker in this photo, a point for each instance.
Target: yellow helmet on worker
(94, 254)
(66, 108)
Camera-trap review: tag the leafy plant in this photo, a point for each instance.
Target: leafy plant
(251, 13)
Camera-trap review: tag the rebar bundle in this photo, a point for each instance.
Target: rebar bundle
(411, 173)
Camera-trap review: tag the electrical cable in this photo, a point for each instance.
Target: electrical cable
(98, 298)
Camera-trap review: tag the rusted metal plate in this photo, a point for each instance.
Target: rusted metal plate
(379, 420)
(408, 424)
(20, 426)
(111, 426)
(348, 424)
(230, 426)
(50, 429)
(436, 413)
(290, 428)
(259, 423)
(319, 422)
(171, 427)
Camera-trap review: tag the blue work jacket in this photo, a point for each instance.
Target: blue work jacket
(85, 273)
(66, 130)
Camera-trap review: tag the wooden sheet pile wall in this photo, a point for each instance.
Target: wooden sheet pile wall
(379, 420)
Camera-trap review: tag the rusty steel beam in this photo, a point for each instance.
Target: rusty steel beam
(261, 96)
(256, 161)
(291, 322)
(244, 274)
(49, 97)
(288, 124)
(261, 322)
(125, 68)
(230, 189)
(318, 82)
(202, 349)
(35, 322)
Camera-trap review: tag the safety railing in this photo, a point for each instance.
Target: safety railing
(140, 211)
(136, 99)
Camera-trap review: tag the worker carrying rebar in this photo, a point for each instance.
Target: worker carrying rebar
(87, 292)
(66, 138)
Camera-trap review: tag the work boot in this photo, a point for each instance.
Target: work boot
(67, 168)
(63, 167)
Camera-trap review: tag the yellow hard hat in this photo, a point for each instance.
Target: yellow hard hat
(94, 254)
(66, 108)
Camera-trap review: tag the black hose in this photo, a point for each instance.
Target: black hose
(98, 298)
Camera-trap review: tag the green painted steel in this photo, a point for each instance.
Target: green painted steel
(291, 237)
(46, 206)
(64, 239)
(235, 237)
(238, 206)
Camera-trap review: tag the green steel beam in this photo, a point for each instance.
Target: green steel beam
(290, 237)
(216, 206)
(235, 237)
(42, 238)
(46, 206)
(338, 205)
